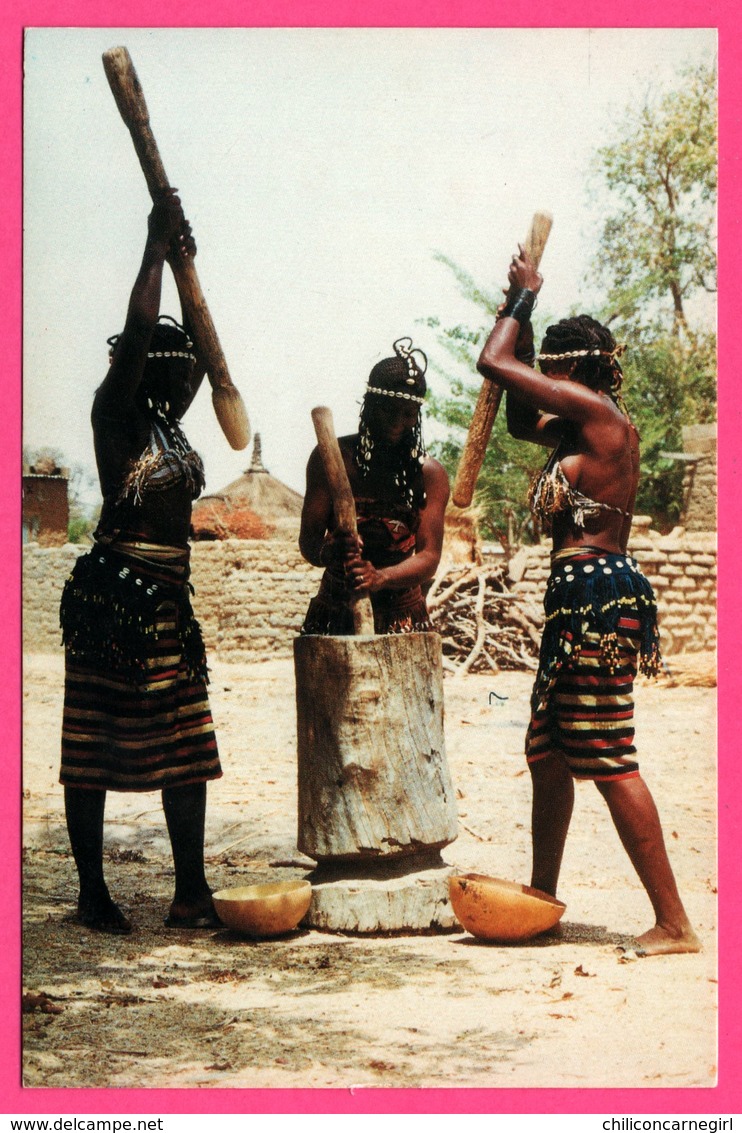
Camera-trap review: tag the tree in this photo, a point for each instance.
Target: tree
(656, 260)
(655, 186)
(657, 246)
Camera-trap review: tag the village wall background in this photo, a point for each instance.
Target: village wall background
(700, 477)
(682, 571)
(251, 595)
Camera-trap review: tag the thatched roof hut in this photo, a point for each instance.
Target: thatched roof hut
(251, 507)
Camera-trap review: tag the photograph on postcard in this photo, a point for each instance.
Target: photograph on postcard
(369, 558)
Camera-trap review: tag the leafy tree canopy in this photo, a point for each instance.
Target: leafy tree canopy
(655, 187)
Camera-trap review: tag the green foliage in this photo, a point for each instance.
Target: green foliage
(656, 187)
(656, 258)
(80, 528)
(508, 464)
(667, 385)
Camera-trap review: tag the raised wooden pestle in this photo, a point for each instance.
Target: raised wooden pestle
(490, 394)
(343, 503)
(226, 399)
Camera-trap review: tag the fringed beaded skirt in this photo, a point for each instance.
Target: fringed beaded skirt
(136, 709)
(601, 625)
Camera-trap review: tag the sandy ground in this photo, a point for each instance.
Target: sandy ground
(312, 1009)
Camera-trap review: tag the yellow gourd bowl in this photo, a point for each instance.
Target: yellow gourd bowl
(263, 910)
(504, 911)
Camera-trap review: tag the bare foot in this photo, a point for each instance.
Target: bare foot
(103, 915)
(661, 942)
(201, 915)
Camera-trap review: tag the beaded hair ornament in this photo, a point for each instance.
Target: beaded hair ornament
(165, 321)
(582, 354)
(170, 326)
(404, 463)
(404, 349)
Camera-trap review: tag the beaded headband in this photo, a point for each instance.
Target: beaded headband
(172, 353)
(168, 353)
(396, 393)
(582, 354)
(163, 319)
(405, 351)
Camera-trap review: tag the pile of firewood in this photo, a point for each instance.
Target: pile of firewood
(483, 624)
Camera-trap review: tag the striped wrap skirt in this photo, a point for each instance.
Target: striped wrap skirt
(601, 626)
(136, 709)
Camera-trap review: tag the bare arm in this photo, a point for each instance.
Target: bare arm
(317, 520)
(526, 423)
(316, 512)
(428, 542)
(186, 248)
(127, 367)
(552, 396)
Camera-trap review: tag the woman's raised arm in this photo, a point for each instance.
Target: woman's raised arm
(165, 223)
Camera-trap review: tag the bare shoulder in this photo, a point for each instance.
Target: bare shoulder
(436, 480)
(112, 411)
(609, 433)
(434, 469)
(347, 446)
(315, 463)
(348, 443)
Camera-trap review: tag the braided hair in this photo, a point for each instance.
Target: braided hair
(169, 342)
(594, 350)
(400, 377)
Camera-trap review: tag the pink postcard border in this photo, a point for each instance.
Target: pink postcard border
(725, 1097)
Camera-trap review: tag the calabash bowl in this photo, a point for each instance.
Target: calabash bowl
(263, 910)
(503, 911)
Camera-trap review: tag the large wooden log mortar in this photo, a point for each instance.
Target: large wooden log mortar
(372, 771)
(490, 394)
(225, 397)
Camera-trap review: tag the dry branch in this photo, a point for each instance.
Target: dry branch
(484, 624)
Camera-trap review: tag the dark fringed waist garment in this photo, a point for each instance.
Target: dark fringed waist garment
(590, 591)
(136, 711)
(110, 600)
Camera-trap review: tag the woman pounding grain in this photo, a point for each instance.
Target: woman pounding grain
(400, 496)
(601, 615)
(136, 711)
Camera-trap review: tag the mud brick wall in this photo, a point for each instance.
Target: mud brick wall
(46, 509)
(681, 569)
(251, 595)
(699, 494)
(44, 572)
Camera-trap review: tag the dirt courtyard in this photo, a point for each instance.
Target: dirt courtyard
(211, 1009)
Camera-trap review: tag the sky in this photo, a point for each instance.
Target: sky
(322, 170)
